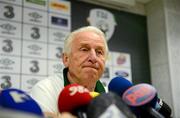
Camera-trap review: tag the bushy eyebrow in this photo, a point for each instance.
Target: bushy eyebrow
(87, 45)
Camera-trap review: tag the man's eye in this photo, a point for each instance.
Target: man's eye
(83, 49)
(99, 52)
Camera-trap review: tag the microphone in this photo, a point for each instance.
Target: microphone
(163, 108)
(9, 113)
(119, 85)
(74, 98)
(108, 105)
(19, 100)
(142, 99)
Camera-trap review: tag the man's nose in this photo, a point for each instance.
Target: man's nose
(93, 56)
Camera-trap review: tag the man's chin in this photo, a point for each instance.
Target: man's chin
(90, 79)
(91, 73)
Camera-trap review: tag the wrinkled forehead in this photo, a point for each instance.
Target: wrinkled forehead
(88, 36)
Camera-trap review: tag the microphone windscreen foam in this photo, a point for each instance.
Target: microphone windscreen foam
(10, 113)
(19, 100)
(118, 85)
(72, 97)
(108, 104)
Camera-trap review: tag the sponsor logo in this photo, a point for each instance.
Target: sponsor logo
(59, 21)
(59, 54)
(35, 16)
(6, 64)
(35, 48)
(6, 82)
(121, 59)
(59, 6)
(57, 68)
(59, 36)
(9, 13)
(32, 81)
(35, 66)
(8, 48)
(121, 73)
(38, 2)
(8, 28)
(36, 33)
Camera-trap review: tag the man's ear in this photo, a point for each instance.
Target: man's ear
(65, 59)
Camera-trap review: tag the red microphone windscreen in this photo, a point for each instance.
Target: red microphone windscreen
(73, 96)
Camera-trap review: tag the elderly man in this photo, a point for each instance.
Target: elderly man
(84, 55)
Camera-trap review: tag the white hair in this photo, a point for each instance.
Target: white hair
(70, 38)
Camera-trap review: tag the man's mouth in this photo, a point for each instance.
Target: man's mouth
(93, 67)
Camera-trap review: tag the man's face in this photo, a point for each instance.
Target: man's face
(86, 61)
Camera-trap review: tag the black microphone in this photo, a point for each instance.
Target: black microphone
(163, 108)
(108, 105)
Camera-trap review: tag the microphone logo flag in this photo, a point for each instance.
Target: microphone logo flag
(74, 89)
(139, 95)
